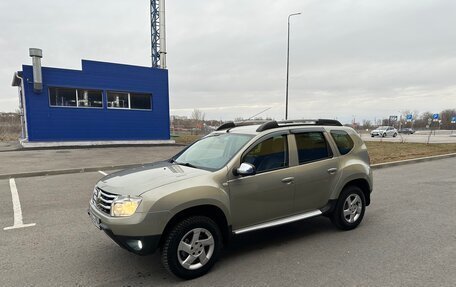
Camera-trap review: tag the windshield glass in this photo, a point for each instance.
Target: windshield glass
(382, 128)
(212, 152)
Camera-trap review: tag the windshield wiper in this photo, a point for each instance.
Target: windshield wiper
(184, 163)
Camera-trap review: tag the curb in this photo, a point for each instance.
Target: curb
(112, 167)
(413, 160)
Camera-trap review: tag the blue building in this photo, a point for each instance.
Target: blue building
(103, 103)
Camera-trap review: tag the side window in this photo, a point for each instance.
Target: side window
(268, 155)
(312, 146)
(343, 141)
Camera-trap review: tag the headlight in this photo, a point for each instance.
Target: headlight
(125, 206)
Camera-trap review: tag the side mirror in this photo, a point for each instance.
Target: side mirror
(245, 169)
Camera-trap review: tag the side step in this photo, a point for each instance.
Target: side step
(279, 221)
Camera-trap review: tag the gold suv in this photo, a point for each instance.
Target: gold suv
(240, 178)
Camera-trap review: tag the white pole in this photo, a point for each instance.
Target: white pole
(162, 34)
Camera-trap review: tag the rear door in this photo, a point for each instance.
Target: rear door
(316, 171)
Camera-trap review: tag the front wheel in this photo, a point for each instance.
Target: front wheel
(395, 135)
(192, 247)
(383, 135)
(350, 208)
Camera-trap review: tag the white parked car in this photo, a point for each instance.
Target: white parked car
(384, 131)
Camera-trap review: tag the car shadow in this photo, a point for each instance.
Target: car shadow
(138, 270)
(251, 242)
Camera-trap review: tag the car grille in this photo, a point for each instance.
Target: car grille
(103, 200)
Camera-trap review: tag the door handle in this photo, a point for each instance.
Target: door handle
(332, 170)
(288, 180)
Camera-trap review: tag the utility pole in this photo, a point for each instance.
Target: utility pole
(288, 63)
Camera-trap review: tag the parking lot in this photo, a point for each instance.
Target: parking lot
(407, 238)
(418, 137)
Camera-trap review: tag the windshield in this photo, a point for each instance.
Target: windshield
(212, 152)
(382, 128)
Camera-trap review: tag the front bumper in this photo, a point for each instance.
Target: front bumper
(139, 233)
(142, 245)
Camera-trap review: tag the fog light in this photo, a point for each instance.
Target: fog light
(136, 245)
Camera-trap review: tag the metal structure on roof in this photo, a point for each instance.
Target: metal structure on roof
(158, 33)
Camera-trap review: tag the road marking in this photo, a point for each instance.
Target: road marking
(18, 223)
(103, 173)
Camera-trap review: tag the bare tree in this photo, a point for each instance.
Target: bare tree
(198, 118)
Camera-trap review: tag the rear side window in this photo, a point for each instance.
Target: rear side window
(269, 155)
(312, 146)
(343, 141)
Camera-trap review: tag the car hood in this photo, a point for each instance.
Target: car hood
(136, 181)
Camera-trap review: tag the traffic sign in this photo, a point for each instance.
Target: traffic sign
(393, 118)
(453, 120)
(435, 117)
(409, 117)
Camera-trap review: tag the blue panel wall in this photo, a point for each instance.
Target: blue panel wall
(46, 123)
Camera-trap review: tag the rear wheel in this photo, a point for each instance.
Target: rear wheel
(350, 208)
(383, 135)
(192, 247)
(395, 134)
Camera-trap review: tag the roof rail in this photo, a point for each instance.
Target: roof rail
(225, 126)
(267, 125)
(318, 122)
(230, 125)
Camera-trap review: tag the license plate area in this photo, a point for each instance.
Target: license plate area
(95, 220)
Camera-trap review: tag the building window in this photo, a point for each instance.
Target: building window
(66, 97)
(62, 97)
(90, 98)
(118, 100)
(123, 100)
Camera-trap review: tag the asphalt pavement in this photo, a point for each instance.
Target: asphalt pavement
(407, 238)
(21, 161)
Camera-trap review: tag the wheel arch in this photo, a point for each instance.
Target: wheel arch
(363, 184)
(209, 210)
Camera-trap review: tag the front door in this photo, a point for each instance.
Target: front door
(268, 194)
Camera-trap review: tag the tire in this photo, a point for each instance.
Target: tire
(182, 237)
(343, 210)
(383, 135)
(395, 135)
(372, 136)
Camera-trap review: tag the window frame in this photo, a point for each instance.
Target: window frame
(129, 100)
(329, 146)
(77, 97)
(285, 134)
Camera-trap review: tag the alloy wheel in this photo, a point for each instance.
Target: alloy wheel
(195, 248)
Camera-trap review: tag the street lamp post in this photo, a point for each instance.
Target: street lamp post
(288, 63)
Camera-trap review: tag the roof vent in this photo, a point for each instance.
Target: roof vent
(36, 55)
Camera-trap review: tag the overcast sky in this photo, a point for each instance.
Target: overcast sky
(368, 59)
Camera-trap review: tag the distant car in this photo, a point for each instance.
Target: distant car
(384, 131)
(408, 131)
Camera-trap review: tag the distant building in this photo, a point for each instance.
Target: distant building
(104, 103)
